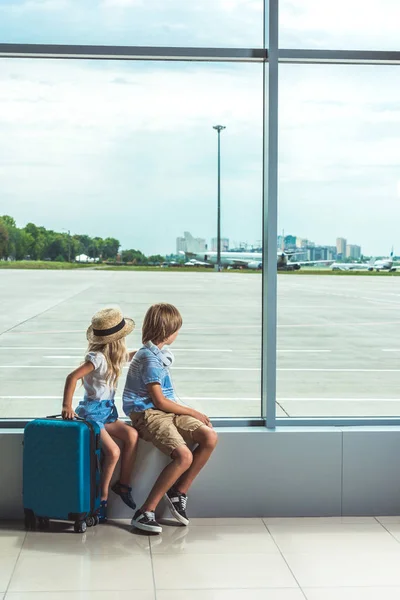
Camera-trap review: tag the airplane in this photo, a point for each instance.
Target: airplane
(381, 264)
(248, 260)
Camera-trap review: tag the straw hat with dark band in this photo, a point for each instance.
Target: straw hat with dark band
(109, 325)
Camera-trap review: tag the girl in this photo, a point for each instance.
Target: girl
(106, 355)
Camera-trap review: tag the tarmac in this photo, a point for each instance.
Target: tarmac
(338, 339)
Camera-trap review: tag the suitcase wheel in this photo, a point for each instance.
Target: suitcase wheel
(44, 523)
(79, 526)
(30, 520)
(96, 520)
(90, 521)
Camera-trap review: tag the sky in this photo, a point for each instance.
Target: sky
(127, 149)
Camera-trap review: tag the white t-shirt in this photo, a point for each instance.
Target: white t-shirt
(95, 384)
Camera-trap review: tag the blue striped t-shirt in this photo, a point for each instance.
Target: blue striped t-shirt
(149, 365)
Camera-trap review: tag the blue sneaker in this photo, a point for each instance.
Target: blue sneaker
(103, 511)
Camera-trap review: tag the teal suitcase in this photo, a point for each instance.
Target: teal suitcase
(61, 472)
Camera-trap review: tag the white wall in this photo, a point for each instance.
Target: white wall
(255, 472)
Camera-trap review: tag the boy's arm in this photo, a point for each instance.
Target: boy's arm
(169, 406)
(69, 389)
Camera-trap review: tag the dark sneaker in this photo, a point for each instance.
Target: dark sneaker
(103, 512)
(125, 492)
(177, 504)
(146, 521)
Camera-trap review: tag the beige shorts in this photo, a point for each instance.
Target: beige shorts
(166, 431)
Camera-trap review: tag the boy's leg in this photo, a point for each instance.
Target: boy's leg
(129, 437)
(111, 456)
(207, 439)
(181, 460)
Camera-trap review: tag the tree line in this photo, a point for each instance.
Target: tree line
(38, 243)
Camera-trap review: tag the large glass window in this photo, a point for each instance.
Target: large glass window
(340, 25)
(339, 188)
(127, 151)
(212, 23)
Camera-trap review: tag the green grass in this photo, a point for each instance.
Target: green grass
(48, 265)
(41, 264)
(329, 272)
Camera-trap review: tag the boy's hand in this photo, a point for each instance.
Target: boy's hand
(68, 413)
(203, 418)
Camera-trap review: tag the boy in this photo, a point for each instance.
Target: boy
(150, 402)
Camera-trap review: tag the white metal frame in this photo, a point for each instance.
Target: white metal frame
(270, 56)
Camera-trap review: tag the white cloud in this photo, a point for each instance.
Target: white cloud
(35, 6)
(359, 24)
(120, 3)
(140, 135)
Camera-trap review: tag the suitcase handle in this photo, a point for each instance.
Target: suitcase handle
(56, 416)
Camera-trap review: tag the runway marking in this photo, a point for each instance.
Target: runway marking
(341, 324)
(175, 350)
(82, 331)
(302, 351)
(291, 370)
(77, 398)
(127, 366)
(339, 399)
(343, 370)
(224, 399)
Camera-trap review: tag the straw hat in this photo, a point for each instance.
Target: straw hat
(109, 325)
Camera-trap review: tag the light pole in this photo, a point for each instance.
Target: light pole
(219, 128)
(69, 243)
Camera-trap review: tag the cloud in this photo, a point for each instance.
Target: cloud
(146, 147)
(340, 24)
(34, 6)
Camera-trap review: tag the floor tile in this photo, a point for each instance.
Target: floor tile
(342, 570)
(97, 540)
(11, 540)
(385, 520)
(393, 529)
(7, 565)
(250, 522)
(200, 571)
(38, 572)
(244, 594)
(334, 538)
(317, 521)
(82, 595)
(361, 593)
(226, 539)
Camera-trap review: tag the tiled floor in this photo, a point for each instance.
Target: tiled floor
(212, 559)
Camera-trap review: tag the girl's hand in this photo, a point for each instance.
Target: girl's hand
(68, 413)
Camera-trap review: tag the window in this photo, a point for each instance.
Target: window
(340, 25)
(339, 186)
(205, 23)
(127, 150)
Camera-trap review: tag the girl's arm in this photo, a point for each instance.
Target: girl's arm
(69, 389)
(169, 406)
(131, 355)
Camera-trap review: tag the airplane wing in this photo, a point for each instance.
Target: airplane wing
(311, 262)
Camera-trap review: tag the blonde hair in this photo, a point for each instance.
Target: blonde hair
(116, 355)
(161, 321)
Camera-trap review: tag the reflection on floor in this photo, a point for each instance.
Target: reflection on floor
(213, 559)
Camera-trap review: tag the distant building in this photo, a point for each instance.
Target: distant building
(353, 251)
(280, 242)
(224, 244)
(83, 258)
(290, 241)
(341, 244)
(190, 244)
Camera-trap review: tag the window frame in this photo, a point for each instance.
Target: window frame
(271, 55)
